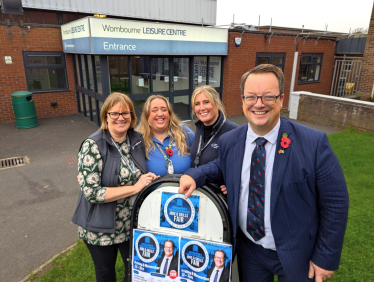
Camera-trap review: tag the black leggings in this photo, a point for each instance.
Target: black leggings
(104, 258)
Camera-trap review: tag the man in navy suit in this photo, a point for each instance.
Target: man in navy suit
(305, 197)
(168, 260)
(218, 272)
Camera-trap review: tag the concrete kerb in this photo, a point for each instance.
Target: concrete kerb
(40, 268)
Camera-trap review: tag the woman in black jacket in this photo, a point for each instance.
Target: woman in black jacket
(211, 123)
(111, 166)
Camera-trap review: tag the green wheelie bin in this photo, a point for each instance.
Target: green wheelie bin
(24, 109)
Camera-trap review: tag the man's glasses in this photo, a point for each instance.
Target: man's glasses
(219, 258)
(115, 115)
(268, 100)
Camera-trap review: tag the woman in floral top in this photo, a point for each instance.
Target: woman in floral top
(111, 166)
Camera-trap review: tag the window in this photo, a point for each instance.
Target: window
(310, 68)
(45, 71)
(215, 71)
(277, 59)
(200, 71)
(119, 74)
(140, 74)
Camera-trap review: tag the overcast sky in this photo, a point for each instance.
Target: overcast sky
(339, 15)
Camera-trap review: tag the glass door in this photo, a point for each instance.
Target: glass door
(180, 87)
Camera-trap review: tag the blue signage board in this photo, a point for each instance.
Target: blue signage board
(179, 213)
(155, 255)
(203, 261)
(113, 36)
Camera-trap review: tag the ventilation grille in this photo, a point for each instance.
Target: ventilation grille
(12, 162)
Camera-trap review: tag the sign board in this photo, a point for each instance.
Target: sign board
(116, 36)
(164, 257)
(11, 7)
(179, 213)
(76, 36)
(200, 260)
(150, 253)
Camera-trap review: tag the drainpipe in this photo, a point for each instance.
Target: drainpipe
(294, 68)
(293, 76)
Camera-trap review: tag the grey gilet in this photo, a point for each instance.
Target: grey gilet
(101, 217)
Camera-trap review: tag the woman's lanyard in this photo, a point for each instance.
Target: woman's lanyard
(197, 159)
(129, 164)
(169, 164)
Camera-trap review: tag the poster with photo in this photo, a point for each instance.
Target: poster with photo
(155, 257)
(202, 260)
(179, 213)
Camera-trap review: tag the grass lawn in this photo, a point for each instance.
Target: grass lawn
(355, 152)
(75, 265)
(356, 156)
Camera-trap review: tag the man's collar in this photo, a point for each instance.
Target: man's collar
(220, 269)
(270, 136)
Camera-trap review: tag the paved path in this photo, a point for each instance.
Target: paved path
(38, 200)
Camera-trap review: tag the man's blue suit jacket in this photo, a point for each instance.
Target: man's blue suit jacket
(309, 197)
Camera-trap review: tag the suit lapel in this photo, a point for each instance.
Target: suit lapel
(280, 163)
(236, 162)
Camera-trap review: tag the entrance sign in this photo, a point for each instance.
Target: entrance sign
(179, 213)
(76, 36)
(115, 36)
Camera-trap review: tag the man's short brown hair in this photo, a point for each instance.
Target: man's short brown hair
(265, 68)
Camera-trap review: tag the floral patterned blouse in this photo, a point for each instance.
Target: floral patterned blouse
(90, 165)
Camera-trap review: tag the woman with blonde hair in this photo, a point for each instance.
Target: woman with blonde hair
(112, 169)
(211, 123)
(167, 141)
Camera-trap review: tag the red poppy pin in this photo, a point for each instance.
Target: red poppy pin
(169, 150)
(285, 143)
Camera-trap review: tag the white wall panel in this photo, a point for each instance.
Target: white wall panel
(184, 11)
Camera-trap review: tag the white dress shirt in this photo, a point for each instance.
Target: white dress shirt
(214, 274)
(268, 240)
(163, 264)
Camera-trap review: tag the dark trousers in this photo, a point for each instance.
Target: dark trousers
(104, 258)
(257, 264)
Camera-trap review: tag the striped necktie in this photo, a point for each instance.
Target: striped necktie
(256, 197)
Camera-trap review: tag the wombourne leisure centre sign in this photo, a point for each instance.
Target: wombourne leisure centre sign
(111, 36)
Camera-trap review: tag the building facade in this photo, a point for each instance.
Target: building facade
(72, 61)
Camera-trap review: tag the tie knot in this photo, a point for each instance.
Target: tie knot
(261, 141)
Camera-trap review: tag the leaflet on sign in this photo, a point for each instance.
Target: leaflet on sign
(179, 213)
(200, 260)
(150, 251)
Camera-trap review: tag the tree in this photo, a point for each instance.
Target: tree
(360, 30)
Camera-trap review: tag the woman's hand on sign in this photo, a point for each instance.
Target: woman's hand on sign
(223, 189)
(144, 180)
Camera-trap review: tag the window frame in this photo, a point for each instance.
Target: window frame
(26, 54)
(271, 56)
(311, 55)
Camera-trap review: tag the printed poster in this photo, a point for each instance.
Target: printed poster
(155, 257)
(179, 213)
(200, 260)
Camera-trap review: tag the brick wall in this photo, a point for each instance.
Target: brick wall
(366, 83)
(243, 58)
(333, 111)
(13, 77)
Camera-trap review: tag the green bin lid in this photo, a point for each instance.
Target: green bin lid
(21, 94)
